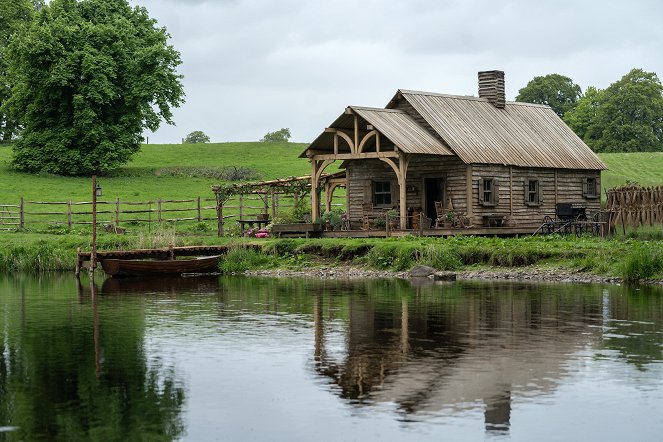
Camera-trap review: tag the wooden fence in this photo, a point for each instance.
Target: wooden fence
(117, 213)
(635, 206)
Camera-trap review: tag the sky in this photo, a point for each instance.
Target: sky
(255, 66)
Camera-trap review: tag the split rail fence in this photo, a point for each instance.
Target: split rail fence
(116, 213)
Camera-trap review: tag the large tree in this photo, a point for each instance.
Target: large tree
(88, 77)
(557, 91)
(625, 117)
(13, 15)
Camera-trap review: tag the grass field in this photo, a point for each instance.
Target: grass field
(645, 168)
(150, 173)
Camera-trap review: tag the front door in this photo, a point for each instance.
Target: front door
(434, 191)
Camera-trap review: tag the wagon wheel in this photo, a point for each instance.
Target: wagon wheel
(548, 225)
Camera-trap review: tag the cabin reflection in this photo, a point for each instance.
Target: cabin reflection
(440, 351)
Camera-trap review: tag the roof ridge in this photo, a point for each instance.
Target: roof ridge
(467, 97)
(378, 109)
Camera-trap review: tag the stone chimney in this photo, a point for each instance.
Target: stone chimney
(491, 87)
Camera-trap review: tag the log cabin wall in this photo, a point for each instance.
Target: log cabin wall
(555, 185)
(361, 173)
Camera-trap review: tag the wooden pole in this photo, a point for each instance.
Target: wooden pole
(198, 207)
(93, 255)
(69, 213)
(117, 212)
(21, 221)
(219, 216)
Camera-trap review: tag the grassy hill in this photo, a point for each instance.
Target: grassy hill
(159, 171)
(187, 170)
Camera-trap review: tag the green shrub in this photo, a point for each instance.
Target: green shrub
(642, 263)
(240, 259)
(440, 258)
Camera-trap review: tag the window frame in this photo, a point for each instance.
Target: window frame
(384, 193)
(590, 187)
(492, 190)
(537, 201)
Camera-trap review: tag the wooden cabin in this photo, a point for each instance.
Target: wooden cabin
(496, 162)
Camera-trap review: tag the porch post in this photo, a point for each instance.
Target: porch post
(402, 165)
(315, 196)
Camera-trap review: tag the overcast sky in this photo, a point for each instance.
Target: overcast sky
(253, 66)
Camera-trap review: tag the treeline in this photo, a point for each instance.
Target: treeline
(627, 116)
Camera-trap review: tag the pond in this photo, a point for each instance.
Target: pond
(251, 358)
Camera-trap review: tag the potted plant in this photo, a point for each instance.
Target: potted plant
(392, 216)
(449, 219)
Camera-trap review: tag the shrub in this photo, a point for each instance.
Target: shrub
(240, 259)
(642, 263)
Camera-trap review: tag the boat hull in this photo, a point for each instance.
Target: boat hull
(136, 267)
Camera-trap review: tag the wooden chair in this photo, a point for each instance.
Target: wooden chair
(440, 214)
(367, 212)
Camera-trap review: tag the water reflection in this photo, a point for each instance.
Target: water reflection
(457, 347)
(170, 359)
(70, 370)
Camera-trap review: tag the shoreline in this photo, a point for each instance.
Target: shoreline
(520, 274)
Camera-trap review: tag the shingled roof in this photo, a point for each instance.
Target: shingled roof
(520, 134)
(483, 130)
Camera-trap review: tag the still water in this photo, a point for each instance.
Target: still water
(238, 358)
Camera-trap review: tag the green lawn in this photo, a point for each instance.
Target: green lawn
(144, 178)
(645, 168)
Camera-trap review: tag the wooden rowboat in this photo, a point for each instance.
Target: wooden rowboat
(139, 267)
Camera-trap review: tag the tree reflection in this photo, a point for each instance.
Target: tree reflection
(56, 385)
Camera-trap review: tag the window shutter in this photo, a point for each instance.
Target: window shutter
(597, 193)
(368, 193)
(539, 197)
(496, 192)
(526, 192)
(481, 190)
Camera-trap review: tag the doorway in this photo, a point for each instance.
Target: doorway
(434, 191)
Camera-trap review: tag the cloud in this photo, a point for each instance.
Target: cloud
(253, 66)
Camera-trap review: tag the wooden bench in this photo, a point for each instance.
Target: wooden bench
(493, 220)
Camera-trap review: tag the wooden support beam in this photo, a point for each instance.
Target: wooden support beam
(356, 133)
(355, 156)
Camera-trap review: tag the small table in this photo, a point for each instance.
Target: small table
(250, 222)
(492, 220)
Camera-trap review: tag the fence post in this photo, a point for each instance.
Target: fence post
(117, 212)
(199, 217)
(241, 206)
(273, 203)
(69, 213)
(219, 217)
(159, 210)
(21, 221)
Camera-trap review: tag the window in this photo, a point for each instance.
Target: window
(382, 193)
(590, 188)
(488, 192)
(532, 193)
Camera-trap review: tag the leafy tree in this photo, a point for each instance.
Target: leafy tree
(557, 91)
(625, 117)
(197, 136)
(281, 135)
(630, 115)
(13, 15)
(582, 118)
(88, 76)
